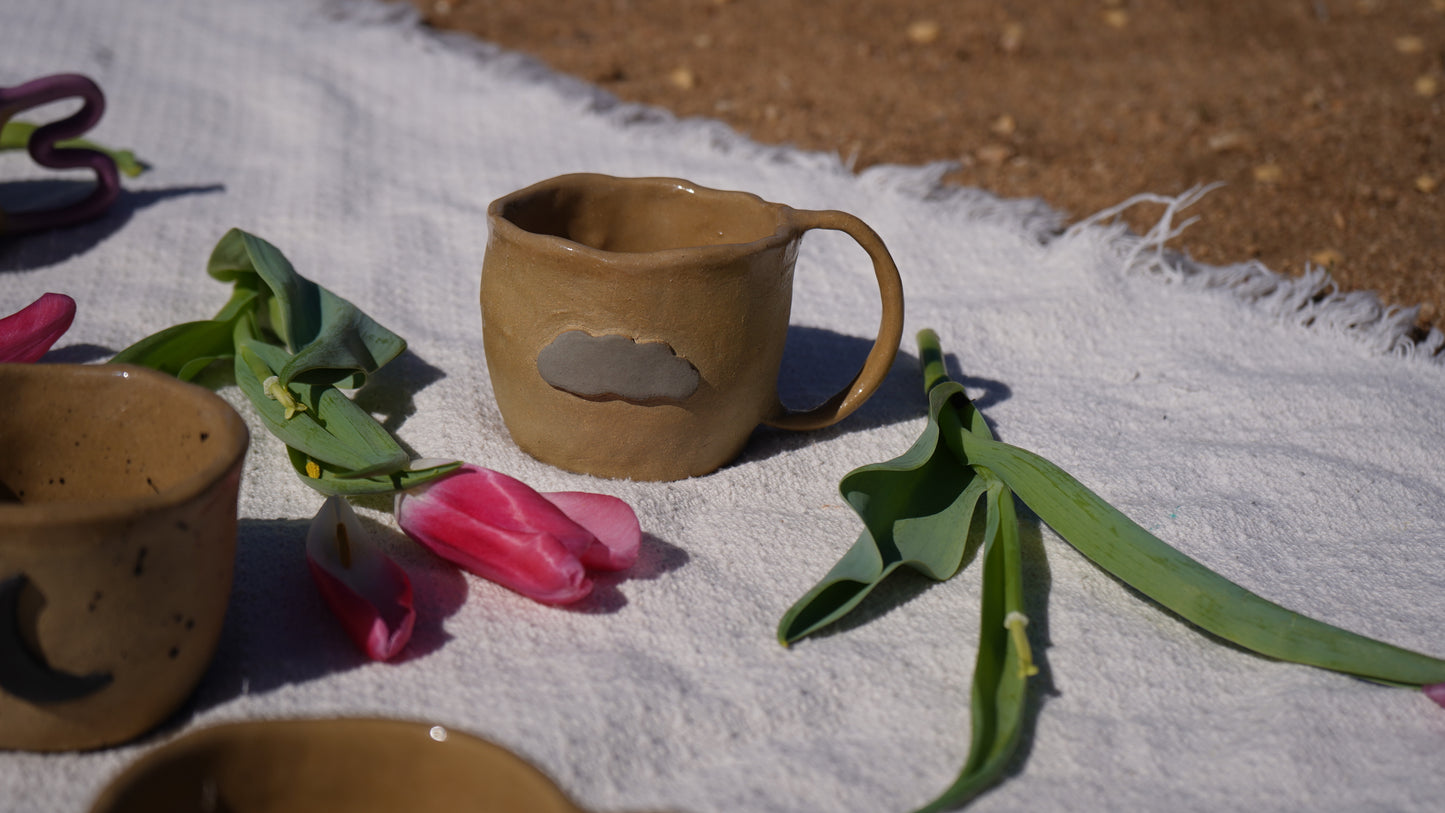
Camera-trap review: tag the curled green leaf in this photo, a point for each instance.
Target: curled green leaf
(330, 340)
(328, 480)
(331, 428)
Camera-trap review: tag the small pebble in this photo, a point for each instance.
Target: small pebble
(994, 154)
(1268, 174)
(682, 78)
(1012, 38)
(442, 7)
(1410, 44)
(1227, 141)
(1004, 125)
(923, 32)
(1116, 18)
(1328, 258)
(1427, 85)
(1427, 183)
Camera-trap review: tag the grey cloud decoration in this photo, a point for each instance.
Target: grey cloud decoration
(616, 367)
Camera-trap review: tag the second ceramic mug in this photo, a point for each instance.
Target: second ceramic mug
(634, 327)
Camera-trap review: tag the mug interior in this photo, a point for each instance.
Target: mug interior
(640, 215)
(86, 434)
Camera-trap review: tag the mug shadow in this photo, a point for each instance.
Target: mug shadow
(41, 249)
(818, 362)
(278, 629)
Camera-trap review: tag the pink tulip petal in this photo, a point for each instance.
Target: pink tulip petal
(611, 520)
(26, 334)
(500, 529)
(367, 591)
(1436, 692)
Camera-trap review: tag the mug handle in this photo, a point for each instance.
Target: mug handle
(44, 151)
(890, 326)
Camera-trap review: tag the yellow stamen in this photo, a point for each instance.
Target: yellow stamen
(1015, 622)
(276, 392)
(312, 469)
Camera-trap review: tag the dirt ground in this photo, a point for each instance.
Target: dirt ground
(1322, 118)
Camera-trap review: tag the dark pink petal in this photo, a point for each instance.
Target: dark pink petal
(500, 529)
(26, 334)
(367, 591)
(1436, 692)
(611, 520)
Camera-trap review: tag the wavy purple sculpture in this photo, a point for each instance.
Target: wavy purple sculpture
(43, 148)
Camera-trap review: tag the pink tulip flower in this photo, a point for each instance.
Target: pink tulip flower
(26, 334)
(501, 529)
(367, 591)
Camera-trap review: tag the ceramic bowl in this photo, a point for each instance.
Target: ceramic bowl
(118, 490)
(355, 765)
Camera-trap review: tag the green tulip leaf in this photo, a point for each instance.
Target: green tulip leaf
(920, 509)
(322, 422)
(186, 349)
(331, 340)
(328, 480)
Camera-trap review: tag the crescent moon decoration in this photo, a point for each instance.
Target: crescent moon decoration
(24, 673)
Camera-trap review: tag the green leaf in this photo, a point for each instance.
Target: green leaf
(186, 349)
(327, 480)
(916, 510)
(331, 340)
(1001, 669)
(15, 135)
(1194, 592)
(332, 429)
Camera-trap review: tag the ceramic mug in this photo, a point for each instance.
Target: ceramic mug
(42, 146)
(118, 490)
(356, 765)
(634, 327)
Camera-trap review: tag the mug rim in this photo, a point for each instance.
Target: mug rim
(503, 227)
(213, 469)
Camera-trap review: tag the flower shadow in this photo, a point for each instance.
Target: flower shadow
(278, 629)
(654, 559)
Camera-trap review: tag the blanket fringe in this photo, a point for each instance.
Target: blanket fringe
(1312, 300)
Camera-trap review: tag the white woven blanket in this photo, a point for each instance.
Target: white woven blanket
(1289, 438)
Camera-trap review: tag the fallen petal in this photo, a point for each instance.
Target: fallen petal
(500, 529)
(367, 591)
(1436, 692)
(611, 520)
(26, 334)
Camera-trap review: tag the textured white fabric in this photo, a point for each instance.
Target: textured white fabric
(1289, 437)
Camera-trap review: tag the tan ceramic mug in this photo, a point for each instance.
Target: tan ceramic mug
(118, 490)
(634, 327)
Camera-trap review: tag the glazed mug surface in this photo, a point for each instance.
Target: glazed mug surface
(118, 490)
(634, 327)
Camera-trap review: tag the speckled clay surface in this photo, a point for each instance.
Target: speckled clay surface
(118, 490)
(596, 278)
(353, 765)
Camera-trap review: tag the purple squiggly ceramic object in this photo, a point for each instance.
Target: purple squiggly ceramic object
(43, 149)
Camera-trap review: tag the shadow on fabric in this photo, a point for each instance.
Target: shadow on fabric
(818, 362)
(42, 249)
(279, 631)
